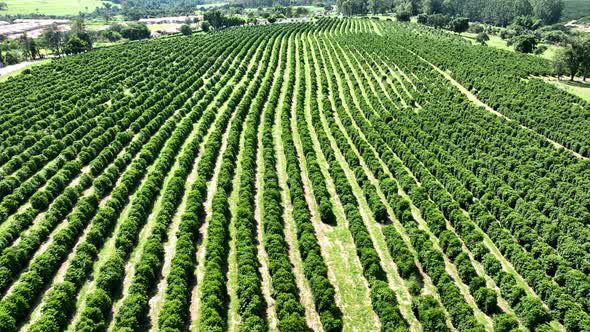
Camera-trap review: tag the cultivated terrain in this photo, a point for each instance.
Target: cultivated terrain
(342, 174)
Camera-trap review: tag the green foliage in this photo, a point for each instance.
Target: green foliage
(218, 20)
(101, 149)
(135, 31)
(505, 322)
(186, 30)
(531, 312)
(486, 300)
(459, 25)
(482, 38)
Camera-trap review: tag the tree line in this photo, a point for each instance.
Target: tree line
(496, 12)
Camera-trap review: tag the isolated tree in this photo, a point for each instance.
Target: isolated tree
(525, 43)
(569, 56)
(482, 38)
(186, 30)
(205, 26)
(3, 6)
(459, 25)
(75, 45)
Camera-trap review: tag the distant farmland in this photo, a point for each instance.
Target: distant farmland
(344, 174)
(50, 7)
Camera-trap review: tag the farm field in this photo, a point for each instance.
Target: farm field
(338, 175)
(50, 7)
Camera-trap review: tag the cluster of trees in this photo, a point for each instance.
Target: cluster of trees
(282, 3)
(496, 12)
(15, 51)
(130, 31)
(573, 59)
(217, 20)
(440, 21)
(76, 41)
(59, 42)
(136, 9)
(525, 33)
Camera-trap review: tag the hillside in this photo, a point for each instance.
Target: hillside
(575, 9)
(343, 174)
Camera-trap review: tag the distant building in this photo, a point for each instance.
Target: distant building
(173, 19)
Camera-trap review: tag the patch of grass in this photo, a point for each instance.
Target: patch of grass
(499, 43)
(50, 7)
(578, 88)
(494, 41)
